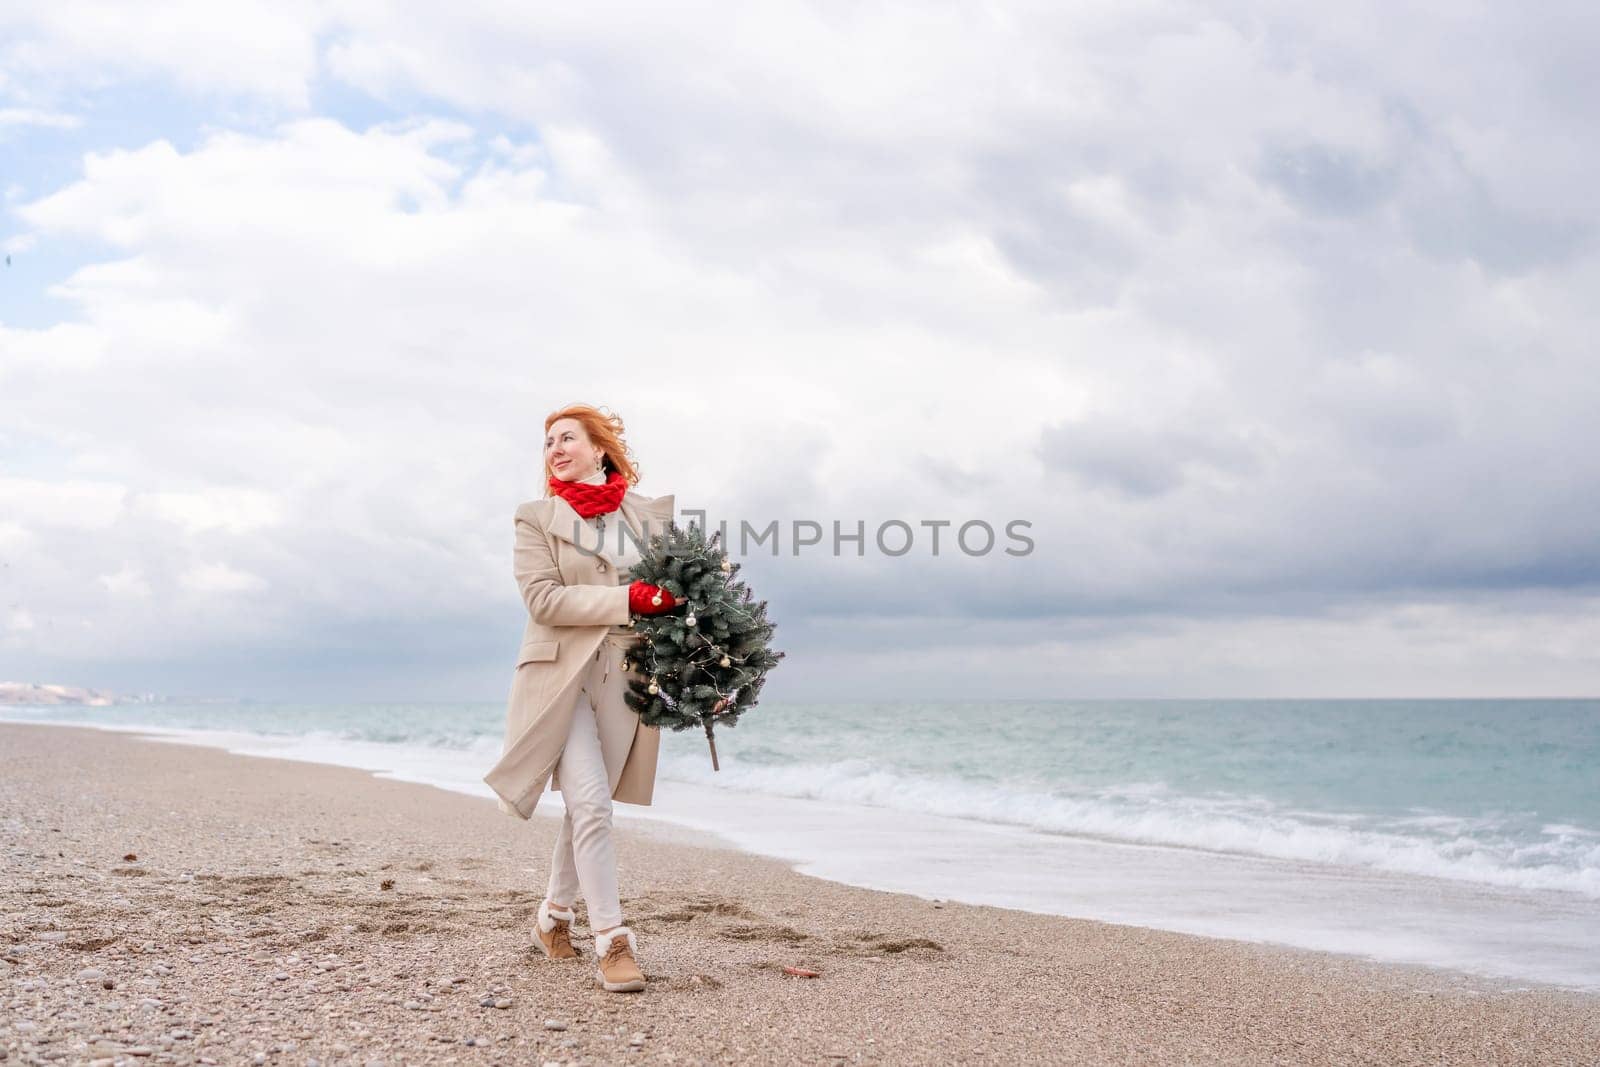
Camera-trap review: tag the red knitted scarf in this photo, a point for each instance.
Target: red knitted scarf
(590, 500)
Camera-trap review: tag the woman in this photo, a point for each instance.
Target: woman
(567, 720)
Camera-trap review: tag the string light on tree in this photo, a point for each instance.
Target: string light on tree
(708, 663)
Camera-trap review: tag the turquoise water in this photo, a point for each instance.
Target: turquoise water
(1494, 792)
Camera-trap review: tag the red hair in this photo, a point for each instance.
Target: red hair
(605, 432)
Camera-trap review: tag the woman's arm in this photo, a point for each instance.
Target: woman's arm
(552, 602)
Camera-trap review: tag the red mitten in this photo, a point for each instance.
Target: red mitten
(641, 593)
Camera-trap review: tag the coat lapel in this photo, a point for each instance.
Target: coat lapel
(647, 517)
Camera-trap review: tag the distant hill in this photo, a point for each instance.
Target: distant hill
(34, 693)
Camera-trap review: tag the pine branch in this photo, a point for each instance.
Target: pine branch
(703, 664)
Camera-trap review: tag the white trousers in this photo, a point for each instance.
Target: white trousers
(585, 858)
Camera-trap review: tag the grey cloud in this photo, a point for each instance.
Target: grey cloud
(948, 476)
(1325, 180)
(1385, 405)
(1458, 218)
(1035, 225)
(1137, 461)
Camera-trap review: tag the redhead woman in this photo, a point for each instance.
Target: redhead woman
(567, 720)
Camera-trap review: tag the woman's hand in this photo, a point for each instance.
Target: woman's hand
(640, 595)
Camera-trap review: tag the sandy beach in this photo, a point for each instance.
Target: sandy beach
(170, 903)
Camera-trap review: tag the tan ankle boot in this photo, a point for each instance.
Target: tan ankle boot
(555, 931)
(618, 971)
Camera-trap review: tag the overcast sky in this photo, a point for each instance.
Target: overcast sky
(1277, 327)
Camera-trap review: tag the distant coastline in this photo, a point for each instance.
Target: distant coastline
(39, 693)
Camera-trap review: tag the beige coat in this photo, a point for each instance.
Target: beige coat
(573, 598)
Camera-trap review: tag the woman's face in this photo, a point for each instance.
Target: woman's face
(568, 452)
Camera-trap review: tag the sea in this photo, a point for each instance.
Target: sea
(1462, 834)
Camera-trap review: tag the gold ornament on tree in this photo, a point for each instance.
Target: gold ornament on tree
(690, 676)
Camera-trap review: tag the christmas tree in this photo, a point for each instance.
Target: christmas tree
(704, 662)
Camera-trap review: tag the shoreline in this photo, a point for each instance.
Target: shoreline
(1546, 937)
(255, 915)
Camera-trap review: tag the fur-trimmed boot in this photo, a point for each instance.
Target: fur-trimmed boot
(555, 931)
(619, 971)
